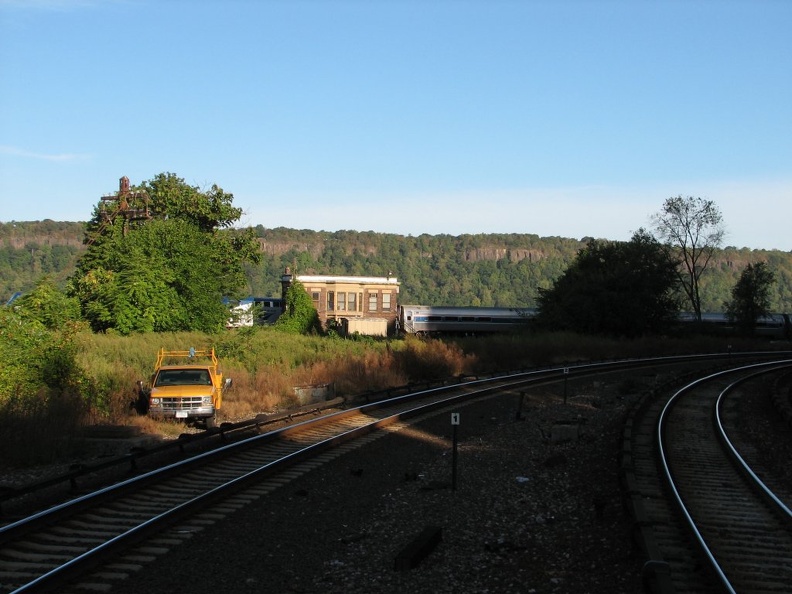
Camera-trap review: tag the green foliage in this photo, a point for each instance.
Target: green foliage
(44, 392)
(48, 305)
(165, 274)
(208, 210)
(31, 250)
(300, 316)
(750, 297)
(36, 362)
(613, 288)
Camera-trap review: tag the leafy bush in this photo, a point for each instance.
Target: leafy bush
(44, 393)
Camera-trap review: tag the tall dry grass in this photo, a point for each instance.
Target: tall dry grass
(266, 364)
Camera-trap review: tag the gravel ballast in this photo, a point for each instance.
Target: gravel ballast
(537, 508)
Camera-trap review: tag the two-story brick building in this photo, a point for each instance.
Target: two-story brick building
(364, 304)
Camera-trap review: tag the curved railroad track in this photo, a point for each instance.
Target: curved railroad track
(60, 546)
(706, 520)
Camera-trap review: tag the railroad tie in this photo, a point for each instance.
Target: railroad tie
(418, 549)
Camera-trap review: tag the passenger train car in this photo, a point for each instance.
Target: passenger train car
(256, 311)
(777, 326)
(429, 319)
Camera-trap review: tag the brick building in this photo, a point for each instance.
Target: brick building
(364, 304)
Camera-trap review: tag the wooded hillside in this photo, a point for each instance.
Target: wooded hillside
(487, 270)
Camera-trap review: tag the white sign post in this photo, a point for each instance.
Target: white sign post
(454, 425)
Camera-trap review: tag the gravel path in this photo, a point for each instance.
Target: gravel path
(529, 514)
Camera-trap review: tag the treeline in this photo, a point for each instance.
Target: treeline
(483, 269)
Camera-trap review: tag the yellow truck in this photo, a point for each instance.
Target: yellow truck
(187, 385)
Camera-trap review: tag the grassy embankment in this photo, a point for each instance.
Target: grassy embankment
(266, 365)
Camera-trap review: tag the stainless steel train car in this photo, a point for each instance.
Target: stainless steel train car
(430, 319)
(255, 311)
(777, 326)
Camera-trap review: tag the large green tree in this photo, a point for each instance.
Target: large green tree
(750, 297)
(613, 288)
(164, 260)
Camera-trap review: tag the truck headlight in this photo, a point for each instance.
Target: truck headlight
(206, 399)
(155, 401)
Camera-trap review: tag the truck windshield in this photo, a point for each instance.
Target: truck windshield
(183, 377)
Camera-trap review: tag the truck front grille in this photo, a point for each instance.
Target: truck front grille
(182, 403)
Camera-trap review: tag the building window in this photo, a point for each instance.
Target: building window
(341, 301)
(386, 302)
(372, 306)
(352, 301)
(315, 295)
(330, 300)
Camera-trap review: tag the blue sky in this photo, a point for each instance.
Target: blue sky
(559, 118)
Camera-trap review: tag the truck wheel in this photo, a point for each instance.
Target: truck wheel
(211, 422)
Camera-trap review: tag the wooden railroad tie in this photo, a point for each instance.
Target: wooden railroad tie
(418, 549)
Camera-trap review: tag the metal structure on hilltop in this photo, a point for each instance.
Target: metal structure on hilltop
(131, 205)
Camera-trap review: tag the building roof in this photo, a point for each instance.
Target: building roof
(363, 280)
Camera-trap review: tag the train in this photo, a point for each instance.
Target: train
(426, 320)
(433, 320)
(774, 326)
(258, 311)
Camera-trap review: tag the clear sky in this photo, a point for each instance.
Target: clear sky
(559, 118)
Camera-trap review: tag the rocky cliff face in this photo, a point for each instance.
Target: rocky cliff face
(47, 232)
(492, 253)
(276, 249)
(510, 254)
(21, 242)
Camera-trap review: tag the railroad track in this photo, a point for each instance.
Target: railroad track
(50, 549)
(55, 549)
(705, 519)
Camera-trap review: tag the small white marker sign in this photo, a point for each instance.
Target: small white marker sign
(455, 418)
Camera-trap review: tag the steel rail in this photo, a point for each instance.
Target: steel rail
(781, 506)
(668, 475)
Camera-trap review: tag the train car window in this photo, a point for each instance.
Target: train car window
(483, 319)
(434, 318)
(466, 319)
(451, 319)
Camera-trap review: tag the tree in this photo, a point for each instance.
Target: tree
(300, 316)
(692, 230)
(168, 271)
(208, 210)
(750, 297)
(48, 305)
(613, 288)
